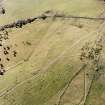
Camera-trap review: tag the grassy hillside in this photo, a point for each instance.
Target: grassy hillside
(42, 69)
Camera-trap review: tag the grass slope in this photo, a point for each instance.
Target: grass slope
(55, 50)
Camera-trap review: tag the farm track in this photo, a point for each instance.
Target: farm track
(45, 69)
(21, 23)
(87, 94)
(99, 36)
(70, 81)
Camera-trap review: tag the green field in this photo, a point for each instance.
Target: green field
(42, 70)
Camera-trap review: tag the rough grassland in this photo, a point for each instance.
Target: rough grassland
(53, 53)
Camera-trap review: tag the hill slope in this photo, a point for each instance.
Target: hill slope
(48, 54)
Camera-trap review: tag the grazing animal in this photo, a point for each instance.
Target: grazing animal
(14, 53)
(2, 10)
(8, 59)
